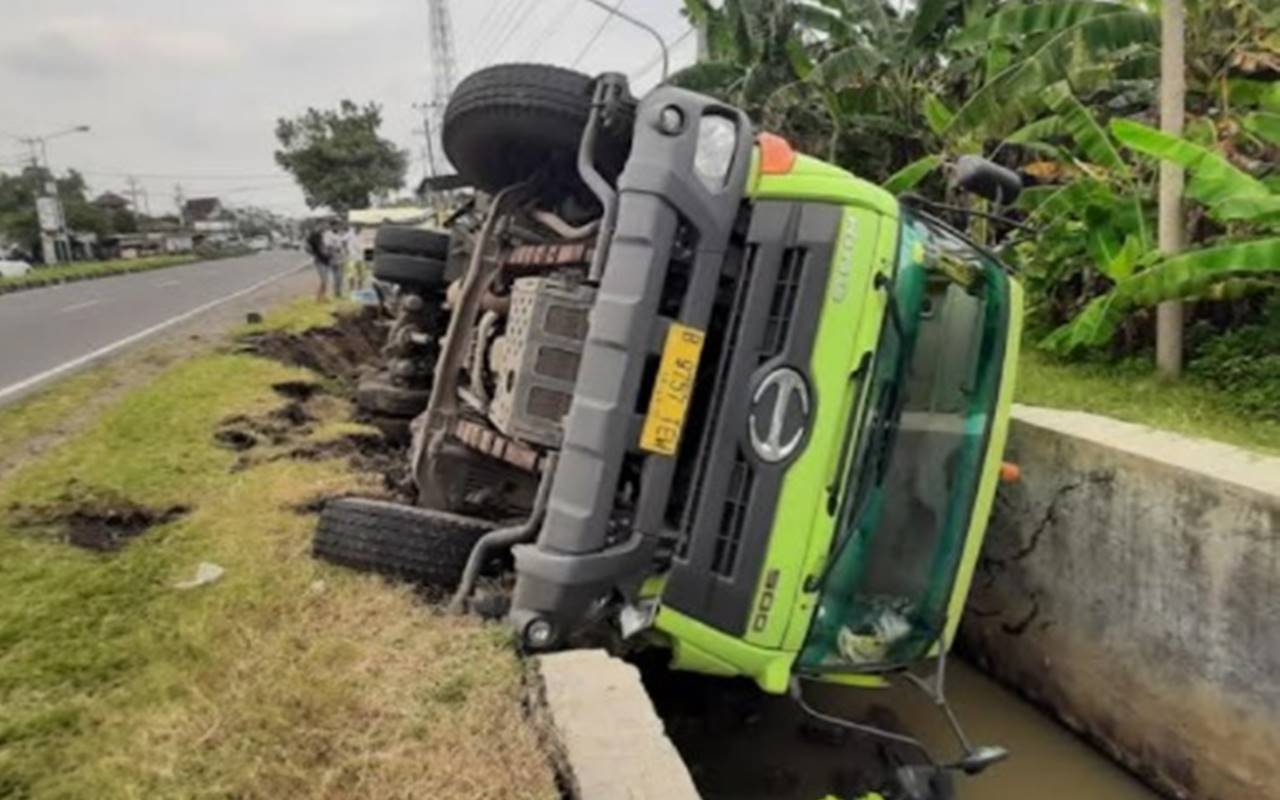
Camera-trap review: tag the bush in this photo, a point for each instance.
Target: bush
(1245, 364)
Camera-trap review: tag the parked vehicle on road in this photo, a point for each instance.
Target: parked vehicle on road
(705, 393)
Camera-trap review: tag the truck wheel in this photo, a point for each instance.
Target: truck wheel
(420, 545)
(506, 122)
(412, 242)
(409, 270)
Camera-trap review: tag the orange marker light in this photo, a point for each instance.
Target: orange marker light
(776, 155)
(1010, 472)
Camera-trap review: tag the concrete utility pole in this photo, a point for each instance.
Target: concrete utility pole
(48, 205)
(428, 110)
(1173, 94)
(134, 191)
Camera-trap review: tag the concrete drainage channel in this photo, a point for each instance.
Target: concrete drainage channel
(643, 733)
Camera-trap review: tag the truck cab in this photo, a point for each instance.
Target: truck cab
(786, 429)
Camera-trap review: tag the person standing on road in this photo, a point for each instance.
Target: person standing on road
(320, 246)
(355, 258)
(337, 255)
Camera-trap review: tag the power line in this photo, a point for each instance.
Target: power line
(185, 176)
(519, 23)
(551, 25)
(595, 36)
(491, 32)
(476, 34)
(656, 60)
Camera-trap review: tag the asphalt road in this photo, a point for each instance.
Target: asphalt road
(47, 333)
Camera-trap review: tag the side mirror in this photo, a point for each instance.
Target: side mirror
(979, 176)
(979, 758)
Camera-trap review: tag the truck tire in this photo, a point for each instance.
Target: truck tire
(506, 122)
(412, 242)
(409, 270)
(420, 545)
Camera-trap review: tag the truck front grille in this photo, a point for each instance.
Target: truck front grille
(723, 334)
(783, 307)
(729, 534)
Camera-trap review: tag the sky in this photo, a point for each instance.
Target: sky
(187, 93)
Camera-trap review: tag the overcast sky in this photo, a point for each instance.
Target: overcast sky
(178, 91)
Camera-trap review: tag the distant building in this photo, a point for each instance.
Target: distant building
(202, 209)
(110, 201)
(209, 219)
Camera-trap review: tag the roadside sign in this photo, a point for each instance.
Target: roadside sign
(49, 212)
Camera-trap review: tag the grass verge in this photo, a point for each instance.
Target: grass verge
(1131, 391)
(84, 270)
(286, 678)
(88, 270)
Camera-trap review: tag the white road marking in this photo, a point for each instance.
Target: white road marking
(78, 306)
(167, 283)
(20, 386)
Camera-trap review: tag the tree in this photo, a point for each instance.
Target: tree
(17, 207)
(337, 156)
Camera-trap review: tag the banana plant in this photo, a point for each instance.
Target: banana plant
(1031, 46)
(1229, 196)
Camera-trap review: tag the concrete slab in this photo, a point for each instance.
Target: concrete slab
(610, 741)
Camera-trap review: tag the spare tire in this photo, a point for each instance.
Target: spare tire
(409, 270)
(506, 122)
(412, 241)
(421, 545)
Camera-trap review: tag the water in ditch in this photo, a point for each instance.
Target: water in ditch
(743, 746)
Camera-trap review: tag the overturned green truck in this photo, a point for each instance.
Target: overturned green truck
(702, 393)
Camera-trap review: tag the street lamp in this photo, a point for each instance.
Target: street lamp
(51, 206)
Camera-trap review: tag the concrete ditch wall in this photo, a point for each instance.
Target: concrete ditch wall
(604, 731)
(1131, 584)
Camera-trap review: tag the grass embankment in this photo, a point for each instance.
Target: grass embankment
(1131, 391)
(286, 678)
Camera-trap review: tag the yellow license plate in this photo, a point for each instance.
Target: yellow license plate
(671, 391)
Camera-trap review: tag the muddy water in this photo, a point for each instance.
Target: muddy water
(743, 746)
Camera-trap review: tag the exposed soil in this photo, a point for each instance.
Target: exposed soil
(98, 521)
(340, 351)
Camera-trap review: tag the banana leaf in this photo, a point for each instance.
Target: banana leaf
(929, 13)
(1084, 129)
(936, 113)
(1011, 96)
(1027, 20)
(1264, 124)
(1215, 181)
(910, 175)
(1186, 276)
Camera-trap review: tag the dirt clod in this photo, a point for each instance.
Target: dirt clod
(103, 523)
(339, 351)
(299, 391)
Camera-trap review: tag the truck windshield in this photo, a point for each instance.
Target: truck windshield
(905, 512)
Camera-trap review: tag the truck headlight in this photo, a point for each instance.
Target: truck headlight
(717, 142)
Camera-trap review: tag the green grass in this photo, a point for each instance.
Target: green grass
(286, 678)
(82, 270)
(1131, 391)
